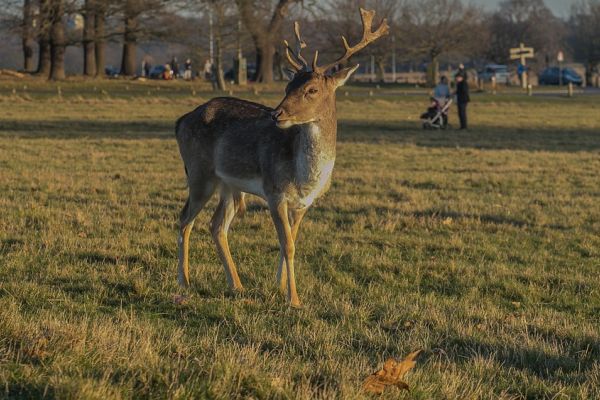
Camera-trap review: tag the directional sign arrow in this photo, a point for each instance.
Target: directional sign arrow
(519, 50)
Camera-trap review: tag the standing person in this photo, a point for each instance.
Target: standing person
(187, 73)
(442, 91)
(462, 99)
(207, 71)
(144, 68)
(174, 67)
(168, 74)
(147, 68)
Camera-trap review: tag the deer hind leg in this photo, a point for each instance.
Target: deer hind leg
(229, 204)
(197, 199)
(295, 217)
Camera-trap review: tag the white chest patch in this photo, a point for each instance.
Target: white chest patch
(248, 185)
(313, 166)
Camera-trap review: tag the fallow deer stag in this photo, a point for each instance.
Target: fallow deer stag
(283, 155)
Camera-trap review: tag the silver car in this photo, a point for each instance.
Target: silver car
(499, 71)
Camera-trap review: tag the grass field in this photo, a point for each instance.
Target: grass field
(482, 248)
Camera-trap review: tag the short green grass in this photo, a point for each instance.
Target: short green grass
(482, 248)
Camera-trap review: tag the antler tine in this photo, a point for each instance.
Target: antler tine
(314, 64)
(300, 44)
(288, 55)
(298, 62)
(367, 38)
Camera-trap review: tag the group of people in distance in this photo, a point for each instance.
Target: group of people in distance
(442, 91)
(170, 71)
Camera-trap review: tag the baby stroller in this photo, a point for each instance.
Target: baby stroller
(436, 116)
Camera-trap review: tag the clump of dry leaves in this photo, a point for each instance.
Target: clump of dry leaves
(391, 374)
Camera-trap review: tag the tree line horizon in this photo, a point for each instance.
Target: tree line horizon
(421, 31)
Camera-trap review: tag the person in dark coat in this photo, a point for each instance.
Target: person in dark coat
(462, 99)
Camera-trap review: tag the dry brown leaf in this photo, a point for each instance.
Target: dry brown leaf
(391, 374)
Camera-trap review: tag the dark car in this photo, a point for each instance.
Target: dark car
(111, 72)
(250, 72)
(157, 72)
(550, 76)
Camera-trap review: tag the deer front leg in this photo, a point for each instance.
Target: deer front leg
(295, 217)
(279, 213)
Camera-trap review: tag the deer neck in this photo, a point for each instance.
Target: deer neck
(317, 139)
(314, 157)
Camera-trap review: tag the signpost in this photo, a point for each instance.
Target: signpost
(522, 53)
(560, 58)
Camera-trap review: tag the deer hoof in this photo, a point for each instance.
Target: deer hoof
(296, 305)
(238, 290)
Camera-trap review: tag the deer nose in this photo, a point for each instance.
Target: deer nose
(276, 114)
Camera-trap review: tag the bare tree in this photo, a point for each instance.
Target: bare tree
(27, 35)
(432, 28)
(524, 21)
(584, 25)
(57, 40)
(89, 38)
(100, 11)
(132, 9)
(219, 9)
(137, 16)
(263, 20)
(18, 17)
(43, 37)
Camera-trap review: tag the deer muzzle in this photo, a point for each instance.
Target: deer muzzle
(281, 118)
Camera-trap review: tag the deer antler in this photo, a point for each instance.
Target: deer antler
(367, 38)
(298, 62)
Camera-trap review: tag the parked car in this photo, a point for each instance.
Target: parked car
(157, 72)
(111, 72)
(250, 72)
(495, 70)
(550, 76)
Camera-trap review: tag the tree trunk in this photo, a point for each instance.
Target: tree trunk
(128, 64)
(43, 67)
(264, 34)
(433, 71)
(27, 36)
(43, 22)
(266, 63)
(100, 41)
(89, 45)
(57, 42)
(380, 74)
(219, 62)
(258, 60)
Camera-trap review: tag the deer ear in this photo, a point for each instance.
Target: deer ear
(343, 75)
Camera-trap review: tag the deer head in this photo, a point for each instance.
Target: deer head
(310, 95)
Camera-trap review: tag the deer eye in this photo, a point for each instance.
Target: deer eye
(312, 90)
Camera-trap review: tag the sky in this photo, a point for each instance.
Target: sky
(560, 8)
